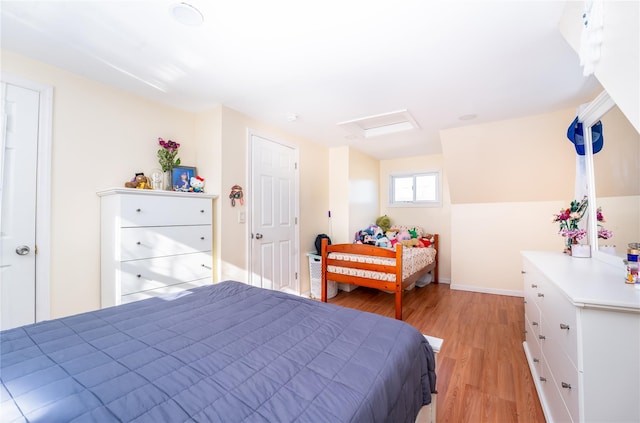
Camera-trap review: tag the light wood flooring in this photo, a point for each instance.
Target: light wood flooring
(482, 371)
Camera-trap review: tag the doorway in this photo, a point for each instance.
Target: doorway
(25, 163)
(274, 244)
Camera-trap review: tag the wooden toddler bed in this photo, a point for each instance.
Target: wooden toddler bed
(374, 267)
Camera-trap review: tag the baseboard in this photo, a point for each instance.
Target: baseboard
(507, 292)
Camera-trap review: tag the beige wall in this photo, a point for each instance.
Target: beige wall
(232, 237)
(353, 178)
(101, 137)
(528, 159)
(619, 67)
(432, 219)
(339, 195)
(363, 191)
(506, 179)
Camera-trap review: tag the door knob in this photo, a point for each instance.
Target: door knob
(258, 236)
(23, 250)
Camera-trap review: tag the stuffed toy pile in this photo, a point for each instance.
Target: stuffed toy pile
(383, 234)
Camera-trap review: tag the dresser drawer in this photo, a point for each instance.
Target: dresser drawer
(148, 242)
(138, 210)
(564, 375)
(167, 290)
(534, 348)
(552, 397)
(144, 275)
(561, 324)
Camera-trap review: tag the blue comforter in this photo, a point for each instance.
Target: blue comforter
(222, 353)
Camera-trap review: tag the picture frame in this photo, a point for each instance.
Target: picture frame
(181, 178)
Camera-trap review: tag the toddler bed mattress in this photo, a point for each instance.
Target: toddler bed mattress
(227, 352)
(413, 260)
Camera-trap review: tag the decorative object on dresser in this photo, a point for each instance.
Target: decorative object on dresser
(168, 160)
(153, 243)
(582, 328)
(181, 178)
(568, 220)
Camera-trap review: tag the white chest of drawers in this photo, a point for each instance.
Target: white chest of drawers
(582, 325)
(153, 243)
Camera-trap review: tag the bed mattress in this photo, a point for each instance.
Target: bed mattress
(413, 260)
(221, 353)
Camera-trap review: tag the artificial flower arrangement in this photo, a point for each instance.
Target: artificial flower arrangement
(569, 219)
(167, 154)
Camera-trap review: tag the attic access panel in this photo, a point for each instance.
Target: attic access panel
(382, 124)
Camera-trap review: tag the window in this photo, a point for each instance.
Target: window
(415, 189)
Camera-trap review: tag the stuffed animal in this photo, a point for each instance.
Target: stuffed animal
(383, 242)
(197, 184)
(384, 223)
(413, 242)
(139, 181)
(403, 235)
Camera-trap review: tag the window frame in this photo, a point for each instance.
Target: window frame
(414, 203)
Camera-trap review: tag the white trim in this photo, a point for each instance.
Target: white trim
(43, 192)
(591, 115)
(435, 203)
(480, 289)
(296, 151)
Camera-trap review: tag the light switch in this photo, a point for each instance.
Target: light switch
(242, 217)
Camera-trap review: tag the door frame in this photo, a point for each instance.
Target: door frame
(43, 192)
(249, 202)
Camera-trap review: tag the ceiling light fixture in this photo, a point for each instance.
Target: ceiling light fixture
(187, 14)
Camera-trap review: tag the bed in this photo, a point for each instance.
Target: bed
(393, 270)
(227, 352)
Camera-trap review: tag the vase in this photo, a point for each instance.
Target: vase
(166, 181)
(569, 243)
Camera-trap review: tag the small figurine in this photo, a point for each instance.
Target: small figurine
(197, 184)
(139, 181)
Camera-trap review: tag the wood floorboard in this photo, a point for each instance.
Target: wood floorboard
(482, 371)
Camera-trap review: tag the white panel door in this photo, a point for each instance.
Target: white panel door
(274, 246)
(18, 204)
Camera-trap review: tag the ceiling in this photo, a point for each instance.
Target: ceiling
(322, 63)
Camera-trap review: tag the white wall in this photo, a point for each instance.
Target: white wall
(619, 67)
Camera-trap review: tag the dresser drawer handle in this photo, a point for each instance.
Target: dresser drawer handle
(525, 301)
(138, 210)
(523, 271)
(206, 267)
(542, 337)
(534, 323)
(202, 238)
(563, 326)
(533, 285)
(540, 294)
(138, 275)
(201, 211)
(536, 360)
(138, 243)
(543, 379)
(566, 385)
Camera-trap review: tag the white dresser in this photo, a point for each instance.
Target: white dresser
(153, 243)
(582, 326)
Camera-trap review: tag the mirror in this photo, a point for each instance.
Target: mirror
(614, 180)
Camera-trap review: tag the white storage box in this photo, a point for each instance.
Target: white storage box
(315, 274)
